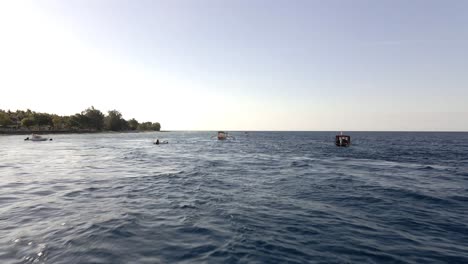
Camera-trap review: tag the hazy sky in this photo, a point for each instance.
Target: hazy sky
(241, 65)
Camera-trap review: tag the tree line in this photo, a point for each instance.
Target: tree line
(90, 119)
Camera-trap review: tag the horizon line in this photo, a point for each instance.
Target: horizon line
(344, 131)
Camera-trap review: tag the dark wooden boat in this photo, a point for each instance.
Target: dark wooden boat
(342, 140)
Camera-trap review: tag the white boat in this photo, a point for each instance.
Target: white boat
(35, 137)
(157, 142)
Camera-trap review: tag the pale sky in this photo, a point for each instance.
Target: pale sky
(241, 65)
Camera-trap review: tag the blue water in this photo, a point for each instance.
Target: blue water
(266, 197)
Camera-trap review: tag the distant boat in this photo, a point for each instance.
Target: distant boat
(342, 140)
(224, 135)
(36, 137)
(157, 142)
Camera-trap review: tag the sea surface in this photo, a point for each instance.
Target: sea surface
(264, 197)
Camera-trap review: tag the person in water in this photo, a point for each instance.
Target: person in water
(157, 142)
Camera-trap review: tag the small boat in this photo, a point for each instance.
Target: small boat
(36, 137)
(224, 135)
(342, 140)
(157, 142)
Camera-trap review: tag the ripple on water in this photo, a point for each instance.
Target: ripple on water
(267, 197)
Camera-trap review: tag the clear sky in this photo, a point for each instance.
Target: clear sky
(241, 65)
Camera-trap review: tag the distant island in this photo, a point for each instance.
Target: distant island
(89, 120)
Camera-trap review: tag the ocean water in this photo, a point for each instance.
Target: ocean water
(265, 197)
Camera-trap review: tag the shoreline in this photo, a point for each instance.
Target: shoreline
(55, 132)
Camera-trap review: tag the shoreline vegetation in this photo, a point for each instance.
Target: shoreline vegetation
(90, 120)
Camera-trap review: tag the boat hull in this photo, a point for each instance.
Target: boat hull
(39, 139)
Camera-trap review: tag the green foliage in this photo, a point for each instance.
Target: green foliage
(58, 122)
(145, 126)
(79, 121)
(5, 119)
(27, 122)
(42, 119)
(114, 121)
(89, 119)
(66, 122)
(95, 118)
(156, 126)
(133, 124)
(21, 114)
(124, 125)
(149, 126)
